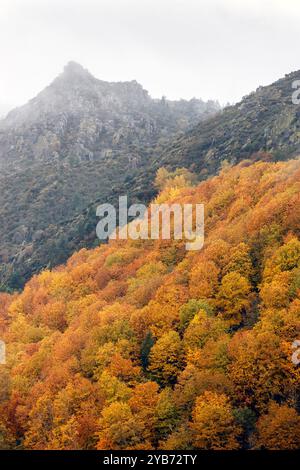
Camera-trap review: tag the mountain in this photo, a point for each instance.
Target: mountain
(144, 345)
(79, 143)
(264, 122)
(81, 119)
(82, 142)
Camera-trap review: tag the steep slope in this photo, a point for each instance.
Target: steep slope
(145, 345)
(266, 121)
(74, 145)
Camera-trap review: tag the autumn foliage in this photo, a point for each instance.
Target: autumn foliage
(144, 345)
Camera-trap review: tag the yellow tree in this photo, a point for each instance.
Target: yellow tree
(233, 296)
(240, 261)
(213, 426)
(166, 358)
(119, 428)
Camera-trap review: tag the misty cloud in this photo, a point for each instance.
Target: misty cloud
(219, 49)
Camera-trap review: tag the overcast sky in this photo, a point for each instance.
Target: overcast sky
(219, 49)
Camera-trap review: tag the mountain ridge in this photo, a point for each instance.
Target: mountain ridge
(81, 140)
(264, 121)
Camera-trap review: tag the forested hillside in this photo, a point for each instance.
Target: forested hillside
(78, 143)
(264, 122)
(82, 142)
(144, 345)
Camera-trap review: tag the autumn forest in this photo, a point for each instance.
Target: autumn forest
(144, 345)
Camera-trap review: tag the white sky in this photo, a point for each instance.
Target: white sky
(219, 49)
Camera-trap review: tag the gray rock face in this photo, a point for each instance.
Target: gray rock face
(81, 117)
(78, 143)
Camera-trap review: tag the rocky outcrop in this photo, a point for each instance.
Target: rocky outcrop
(265, 124)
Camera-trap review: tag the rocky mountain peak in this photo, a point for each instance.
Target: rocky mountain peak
(77, 91)
(74, 68)
(74, 73)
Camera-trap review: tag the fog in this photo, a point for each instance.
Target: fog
(218, 49)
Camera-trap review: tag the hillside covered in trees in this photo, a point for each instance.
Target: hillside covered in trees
(266, 120)
(144, 345)
(77, 144)
(83, 141)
